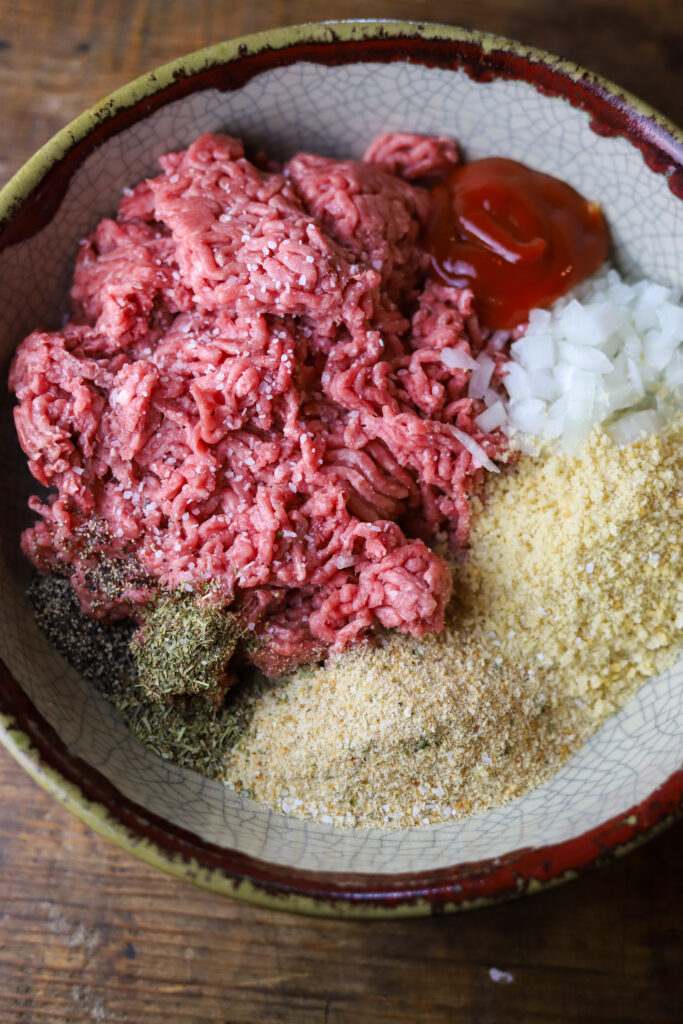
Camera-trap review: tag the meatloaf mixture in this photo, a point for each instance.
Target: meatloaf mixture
(260, 391)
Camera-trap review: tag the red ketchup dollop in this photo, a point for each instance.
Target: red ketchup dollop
(518, 238)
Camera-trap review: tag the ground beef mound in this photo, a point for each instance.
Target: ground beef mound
(250, 391)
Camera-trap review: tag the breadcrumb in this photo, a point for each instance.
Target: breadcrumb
(579, 560)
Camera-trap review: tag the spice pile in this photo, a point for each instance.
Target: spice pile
(406, 734)
(187, 726)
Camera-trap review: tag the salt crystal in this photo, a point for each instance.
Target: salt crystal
(501, 976)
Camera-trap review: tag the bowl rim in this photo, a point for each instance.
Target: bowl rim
(88, 794)
(84, 791)
(627, 112)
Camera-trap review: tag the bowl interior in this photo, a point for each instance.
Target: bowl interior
(337, 110)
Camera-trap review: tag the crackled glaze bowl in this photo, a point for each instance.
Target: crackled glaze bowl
(331, 88)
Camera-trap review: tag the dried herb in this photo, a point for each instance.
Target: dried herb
(187, 730)
(184, 646)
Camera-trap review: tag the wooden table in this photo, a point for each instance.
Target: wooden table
(87, 933)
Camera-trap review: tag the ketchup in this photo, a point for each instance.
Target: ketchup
(516, 237)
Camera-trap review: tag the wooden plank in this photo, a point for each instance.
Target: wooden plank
(58, 58)
(89, 933)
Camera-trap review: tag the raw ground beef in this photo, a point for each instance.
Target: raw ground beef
(251, 391)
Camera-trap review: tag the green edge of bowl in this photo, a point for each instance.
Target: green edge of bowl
(28, 177)
(20, 186)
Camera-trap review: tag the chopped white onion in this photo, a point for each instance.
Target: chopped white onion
(456, 359)
(585, 357)
(475, 449)
(635, 377)
(498, 339)
(491, 418)
(670, 319)
(517, 383)
(658, 349)
(597, 354)
(534, 352)
(636, 426)
(481, 376)
(544, 385)
(528, 416)
(673, 375)
(344, 561)
(539, 321)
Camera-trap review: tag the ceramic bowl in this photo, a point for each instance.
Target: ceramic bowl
(330, 88)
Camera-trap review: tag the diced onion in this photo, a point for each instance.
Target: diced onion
(585, 357)
(528, 416)
(456, 359)
(475, 449)
(534, 352)
(636, 426)
(491, 418)
(596, 355)
(481, 376)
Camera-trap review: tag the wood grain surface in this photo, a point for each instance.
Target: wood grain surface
(87, 933)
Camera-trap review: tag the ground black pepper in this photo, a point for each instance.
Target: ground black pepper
(99, 653)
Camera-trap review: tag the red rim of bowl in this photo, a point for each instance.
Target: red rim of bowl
(612, 112)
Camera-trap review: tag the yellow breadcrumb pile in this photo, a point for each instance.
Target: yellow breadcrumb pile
(570, 596)
(578, 561)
